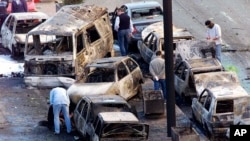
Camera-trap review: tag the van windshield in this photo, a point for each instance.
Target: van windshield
(49, 45)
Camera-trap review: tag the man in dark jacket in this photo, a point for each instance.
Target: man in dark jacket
(19, 6)
(124, 28)
(3, 10)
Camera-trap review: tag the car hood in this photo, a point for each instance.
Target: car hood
(78, 90)
(214, 79)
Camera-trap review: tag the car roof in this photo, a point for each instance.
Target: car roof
(74, 17)
(106, 98)
(29, 15)
(228, 91)
(109, 62)
(142, 4)
(114, 117)
(178, 33)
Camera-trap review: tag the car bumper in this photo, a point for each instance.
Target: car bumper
(48, 81)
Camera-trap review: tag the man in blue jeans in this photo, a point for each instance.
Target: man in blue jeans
(60, 101)
(157, 70)
(124, 28)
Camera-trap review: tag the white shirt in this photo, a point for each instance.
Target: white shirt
(59, 96)
(215, 32)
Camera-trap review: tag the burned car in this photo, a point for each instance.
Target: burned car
(57, 51)
(186, 70)
(226, 80)
(88, 107)
(114, 75)
(216, 107)
(122, 126)
(153, 40)
(15, 28)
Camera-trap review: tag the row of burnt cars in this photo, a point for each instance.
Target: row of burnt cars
(74, 49)
(216, 96)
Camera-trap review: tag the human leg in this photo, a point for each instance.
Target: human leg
(121, 42)
(65, 111)
(56, 111)
(218, 52)
(126, 40)
(163, 87)
(156, 85)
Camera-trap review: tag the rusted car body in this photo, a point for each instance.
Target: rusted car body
(15, 28)
(194, 49)
(186, 70)
(218, 106)
(122, 126)
(57, 51)
(88, 107)
(153, 40)
(241, 114)
(114, 75)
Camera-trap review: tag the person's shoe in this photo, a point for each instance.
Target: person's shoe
(56, 133)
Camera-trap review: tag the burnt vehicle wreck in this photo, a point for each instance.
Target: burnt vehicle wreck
(113, 75)
(57, 51)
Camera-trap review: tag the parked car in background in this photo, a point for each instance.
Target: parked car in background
(142, 14)
(57, 51)
(30, 5)
(114, 75)
(87, 113)
(153, 40)
(15, 28)
(218, 107)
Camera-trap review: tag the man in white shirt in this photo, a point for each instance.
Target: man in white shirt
(60, 102)
(214, 34)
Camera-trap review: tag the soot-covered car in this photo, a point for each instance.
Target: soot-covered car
(221, 103)
(114, 75)
(88, 107)
(15, 28)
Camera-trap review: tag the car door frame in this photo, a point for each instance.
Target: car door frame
(125, 83)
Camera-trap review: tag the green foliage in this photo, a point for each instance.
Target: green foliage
(69, 2)
(231, 68)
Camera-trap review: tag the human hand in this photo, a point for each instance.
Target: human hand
(156, 78)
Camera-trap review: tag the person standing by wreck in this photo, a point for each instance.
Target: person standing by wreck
(60, 102)
(3, 11)
(157, 70)
(19, 6)
(124, 28)
(214, 34)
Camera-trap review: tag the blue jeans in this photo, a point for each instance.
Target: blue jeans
(123, 39)
(161, 83)
(65, 110)
(218, 52)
